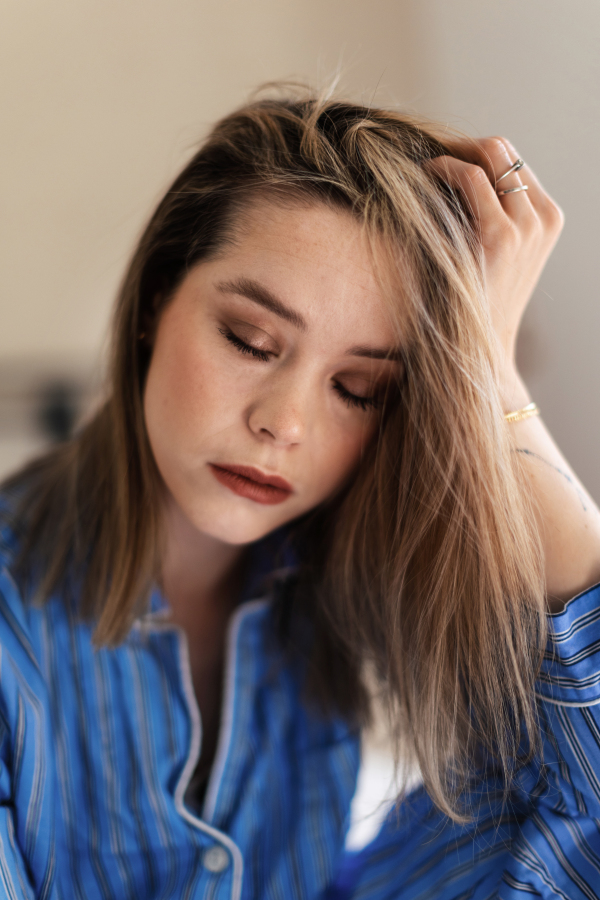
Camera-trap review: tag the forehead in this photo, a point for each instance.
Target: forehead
(315, 256)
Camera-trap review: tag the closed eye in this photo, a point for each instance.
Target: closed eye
(351, 400)
(243, 347)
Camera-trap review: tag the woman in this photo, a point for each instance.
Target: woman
(312, 381)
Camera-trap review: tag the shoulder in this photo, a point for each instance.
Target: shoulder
(568, 691)
(570, 674)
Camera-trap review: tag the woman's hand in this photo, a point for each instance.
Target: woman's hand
(518, 232)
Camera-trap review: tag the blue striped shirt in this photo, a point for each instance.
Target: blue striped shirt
(97, 748)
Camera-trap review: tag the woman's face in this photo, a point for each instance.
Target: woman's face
(267, 363)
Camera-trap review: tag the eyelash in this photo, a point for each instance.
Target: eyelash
(243, 347)
(351, 400)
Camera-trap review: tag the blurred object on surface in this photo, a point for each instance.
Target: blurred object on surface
(39, 405)
(58, 409)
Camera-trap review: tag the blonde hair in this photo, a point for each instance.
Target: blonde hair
(428, 566)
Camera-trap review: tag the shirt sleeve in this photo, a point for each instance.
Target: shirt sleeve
(14, 879)
(26, 804)
(558, 849)
(546, 841)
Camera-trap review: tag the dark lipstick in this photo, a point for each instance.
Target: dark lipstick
(253, 484)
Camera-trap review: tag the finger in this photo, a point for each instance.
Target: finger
(517, 204)
(547, 211)
(472, 181)
(503, 156)
(544, 205)
(477, 151)
(495, 155)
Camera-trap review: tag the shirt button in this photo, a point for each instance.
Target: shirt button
(216, 858)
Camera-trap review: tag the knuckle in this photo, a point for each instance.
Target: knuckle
(532, 224)
(501, 229)
(476, 175)
(554, 214)
(494, 145)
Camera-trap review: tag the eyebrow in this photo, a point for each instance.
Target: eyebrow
(258, 293)
(376, 353)
(252, 290)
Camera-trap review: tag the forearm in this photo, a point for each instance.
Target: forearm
(568, 518)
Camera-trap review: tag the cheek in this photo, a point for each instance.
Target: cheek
(186, 396)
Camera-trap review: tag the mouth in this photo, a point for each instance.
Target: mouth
(253, 484)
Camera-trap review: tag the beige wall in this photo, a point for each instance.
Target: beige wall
(103, 101)
(530, 70)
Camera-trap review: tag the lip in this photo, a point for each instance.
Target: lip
(246, 481)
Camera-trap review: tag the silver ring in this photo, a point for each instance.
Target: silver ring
(514, 168)
(522, 187)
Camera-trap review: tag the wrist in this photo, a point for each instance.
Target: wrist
(513, 393)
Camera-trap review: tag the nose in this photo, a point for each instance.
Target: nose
(281, 412)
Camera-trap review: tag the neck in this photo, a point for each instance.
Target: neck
(198, 571)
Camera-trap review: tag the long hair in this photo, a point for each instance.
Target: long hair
(428, 567)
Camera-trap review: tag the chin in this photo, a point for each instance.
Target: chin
(234, 527)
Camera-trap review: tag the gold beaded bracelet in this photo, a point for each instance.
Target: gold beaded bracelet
(532, 409)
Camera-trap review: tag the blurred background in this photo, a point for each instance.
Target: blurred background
(102, 101)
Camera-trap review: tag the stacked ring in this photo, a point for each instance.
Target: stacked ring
(514, 168)
(521, 187)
